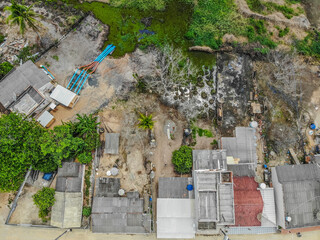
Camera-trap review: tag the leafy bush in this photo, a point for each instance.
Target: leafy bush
(2, 37)
(268, 7)
(55, 57)
(257, 32)
(212, 19)
(86, 128)
(310, 45)
(20, 148)
(44, 200)
(146, 121)
(26, 54)
(86, 211)
(255, 6)
(5, 67)
(283, 32)
(141, 86)
(182, 159)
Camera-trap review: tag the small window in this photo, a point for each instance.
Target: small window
(206, 225)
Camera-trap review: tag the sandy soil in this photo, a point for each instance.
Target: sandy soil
(136, 157)
(26, 212)
(4, 206)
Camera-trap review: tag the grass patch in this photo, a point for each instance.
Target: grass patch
(200, 132)
(212, 19)
(269, 7)
(167, 27)
(257, 32)
(310, 45)
(55, 57)
(126, 25)
(283, 32)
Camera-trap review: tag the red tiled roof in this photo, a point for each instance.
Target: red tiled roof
(248, 201)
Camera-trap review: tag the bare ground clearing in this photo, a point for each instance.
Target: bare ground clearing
(26, 212)
(137, 158)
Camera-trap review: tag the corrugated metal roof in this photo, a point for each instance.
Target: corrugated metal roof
(175, 187)
(63, 95)
(269, 208)
(119, 215)
(213, 198)
(243, 146)
(28, 74)
(45, 118)
(209, 159)
(175, 218)
(289, 173)
(300, 193)
(69, 177)
(67, 210)
(112, 143)
(107, 187)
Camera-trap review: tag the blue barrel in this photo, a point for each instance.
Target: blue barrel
(150, 199)
(312, 126)
(265, 166)
(190, 187)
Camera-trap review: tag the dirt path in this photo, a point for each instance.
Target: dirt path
(24, 233)
(296, 21)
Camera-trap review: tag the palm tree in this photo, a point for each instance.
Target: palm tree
(22, 16)
(146, 122)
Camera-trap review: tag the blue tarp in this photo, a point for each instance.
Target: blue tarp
(47, 176)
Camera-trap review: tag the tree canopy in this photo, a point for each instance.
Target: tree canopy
(182, 159)
(44, 200)
(20, 148)
(22, 16)
(24, 143)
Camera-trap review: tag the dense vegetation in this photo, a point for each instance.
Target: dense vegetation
(310, 45)
(212, 19)
(25, 143)
(257, 32)
(5, 67)
(269, 7)
(182, 159)
(127, 26)
(44, 200)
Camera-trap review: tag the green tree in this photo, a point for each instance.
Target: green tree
(59, 144)
(22, 16)
(182, 159)
(86, 128)
(44, 200)
(146, 122)
(5, 67)
(20, 148)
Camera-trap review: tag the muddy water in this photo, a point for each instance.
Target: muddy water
(312, 8)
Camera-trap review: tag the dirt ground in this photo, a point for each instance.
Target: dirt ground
(137, 158)
(26, 212)
(4, 206)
